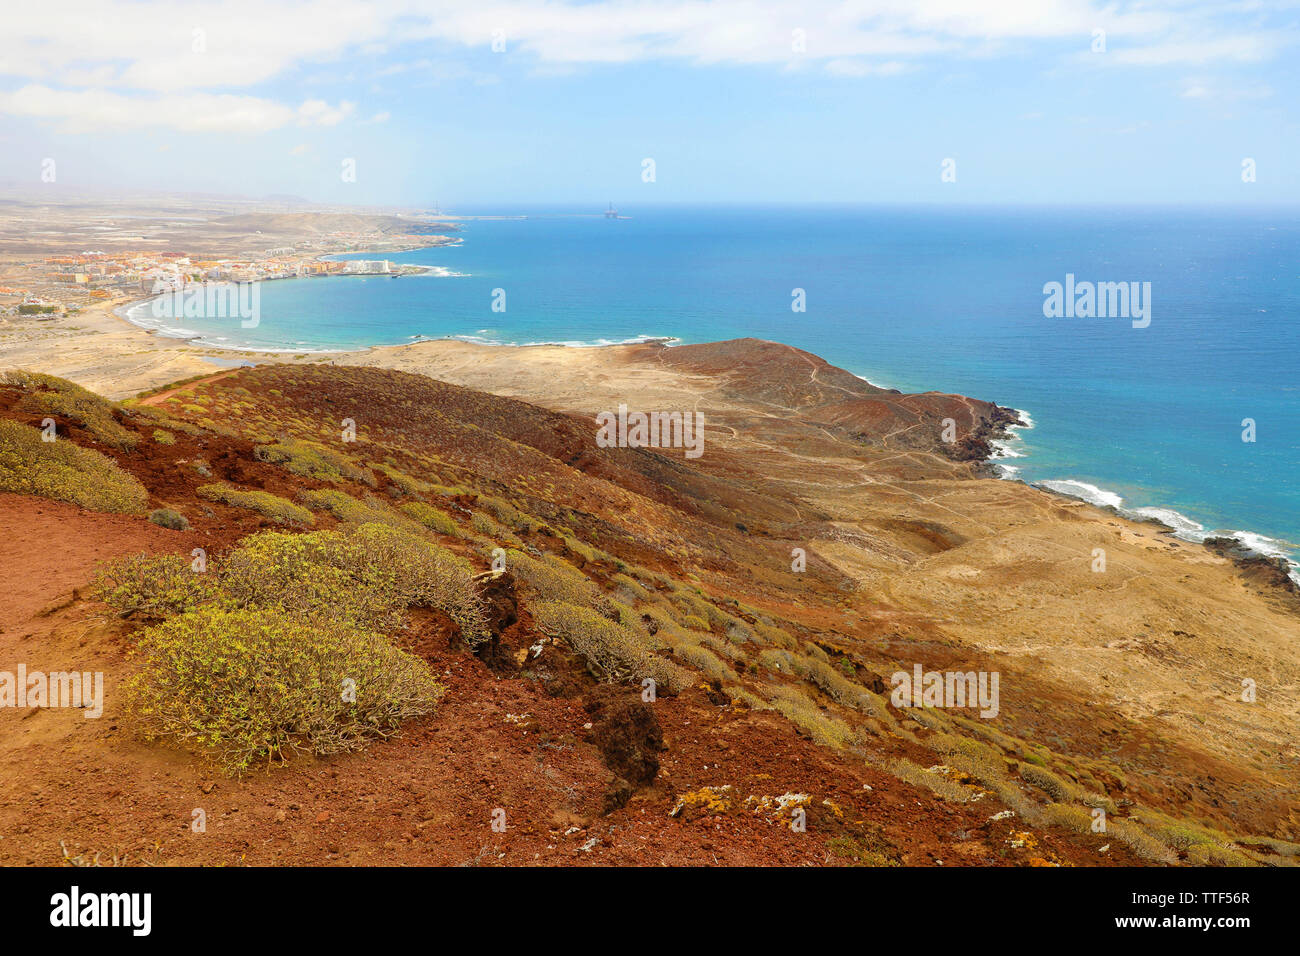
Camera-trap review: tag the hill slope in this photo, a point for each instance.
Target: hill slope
(772, 738)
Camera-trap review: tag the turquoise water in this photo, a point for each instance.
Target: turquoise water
(915, 298)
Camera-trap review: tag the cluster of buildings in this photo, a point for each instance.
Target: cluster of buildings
(62, 282)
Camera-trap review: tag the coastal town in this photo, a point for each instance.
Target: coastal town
(67, 282)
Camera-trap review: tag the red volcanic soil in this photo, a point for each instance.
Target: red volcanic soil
(565, 761)
(81, 789)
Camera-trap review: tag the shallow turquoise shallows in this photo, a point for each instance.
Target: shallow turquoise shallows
(915, 298)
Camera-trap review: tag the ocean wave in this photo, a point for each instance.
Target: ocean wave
(1179, 524)
(1083, 491)
(1184, 527)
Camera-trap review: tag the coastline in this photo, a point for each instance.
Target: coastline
(121, 358)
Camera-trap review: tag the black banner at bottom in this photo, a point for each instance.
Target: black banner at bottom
(333, 905)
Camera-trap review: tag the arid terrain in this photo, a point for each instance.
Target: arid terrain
(773, 739)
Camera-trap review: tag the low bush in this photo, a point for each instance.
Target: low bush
(65, 472)
(800, 710)
(251, 687)
(435, 519)
(619, 652)
(167, 518)
(154, 586)
(1048, 782)
(367, 577)
(705, 661)
(938, 783)
(354, 510)
(313, 460)
(552, 578)
(280, 510)
(47, 395)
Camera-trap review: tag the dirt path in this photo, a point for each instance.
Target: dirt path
(163, 396)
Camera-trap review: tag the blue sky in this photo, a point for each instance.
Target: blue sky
(734, 100)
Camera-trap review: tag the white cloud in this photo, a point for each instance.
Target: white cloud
(320, 113)
(216, 44)
(93, 110)
(184, 63)
(381, 117)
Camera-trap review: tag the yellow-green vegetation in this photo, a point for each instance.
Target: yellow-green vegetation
(163, 437)
(367, 577)
(356, 511)
(770, 634)
(552, 578)
(435, 519)
(583, 550)
(840, 689)
(313, 460)
(618, 652)
(1141, 842)
(280, 510)
(283, 648)
(974, 757)
(153, 586)
(47, 395)
(168, 518)
(58, 469)
(506, 513)
(741, 695)
(857, 852)
(702, 659)
(939, 783)
(1203, 845)
(404, 482)
(1050, 783)
(1069, 816)
(256, 686)
(800, 710)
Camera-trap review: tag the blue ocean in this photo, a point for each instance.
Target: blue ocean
(920, 298)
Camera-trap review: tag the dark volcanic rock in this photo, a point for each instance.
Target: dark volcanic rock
(1258, 569)
(629, 738)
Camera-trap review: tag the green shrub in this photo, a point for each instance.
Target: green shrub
(778, 660)
(258, 686)
(313, 460)
(367, 577)
(65, 472)
(163, 437)
(280, 510)
(404, 482)
(1048, 782)
(621, 653)
(796, 707)
(941, 785)
(508, 514)
(552, 578)
(47, 395)
(167, 518)
(435, 519)
(702, 659)
(152, 585)
(355, 511)
(1069, 817)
